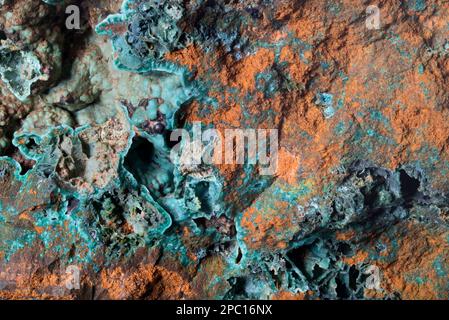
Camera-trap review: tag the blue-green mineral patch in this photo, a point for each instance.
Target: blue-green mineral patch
(100, 130)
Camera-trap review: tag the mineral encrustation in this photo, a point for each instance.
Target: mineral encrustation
(100, 193)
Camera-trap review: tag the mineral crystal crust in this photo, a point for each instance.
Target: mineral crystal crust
(98, 202)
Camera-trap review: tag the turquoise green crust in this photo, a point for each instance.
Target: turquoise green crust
(19, 70)
(91, 175)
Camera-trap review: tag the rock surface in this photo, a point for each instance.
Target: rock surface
(97, 202)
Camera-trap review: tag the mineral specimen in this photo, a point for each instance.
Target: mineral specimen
(98, 170)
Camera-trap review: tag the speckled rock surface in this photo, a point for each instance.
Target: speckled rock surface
(97, 202)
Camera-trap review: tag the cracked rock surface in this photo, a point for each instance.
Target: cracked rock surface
(90, 181)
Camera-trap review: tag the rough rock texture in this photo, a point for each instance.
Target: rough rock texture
(90, 181)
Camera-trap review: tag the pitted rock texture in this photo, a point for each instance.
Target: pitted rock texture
(97, 203)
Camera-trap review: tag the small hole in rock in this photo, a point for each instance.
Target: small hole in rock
(409, 185)
(239, 256)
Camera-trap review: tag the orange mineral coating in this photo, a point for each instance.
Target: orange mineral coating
(415, 258)
(286, 295)
(418, 250)
(263, 227)
(308, 47)
(205, 282)
(145, 282)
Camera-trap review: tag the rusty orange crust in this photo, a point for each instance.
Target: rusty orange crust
(287, 167)
(345, 235)
(31, 282)
(287, 295)
(243, 72)
(263, 228)
(418, 249)
(27, 295)
(26, 216)
(359, 257)
(145, 281)
(296, 68)
(208, 282)
(193, 58)
(304, 114)
(193, 243)
(417, 123)
(412, 122)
